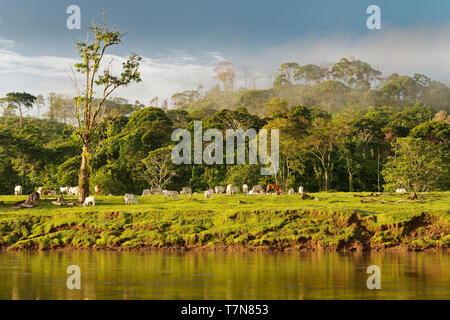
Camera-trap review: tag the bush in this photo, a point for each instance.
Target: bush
(108, 183)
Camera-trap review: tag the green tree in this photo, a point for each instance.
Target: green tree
(434, 132)
(311, 73)
(355, 73)
(241, 174)
(87, 112)
(179, 118)
(159, 167)
(20, 101)
(277, 107)
(321, 143)
(291, 150)
(415, 166)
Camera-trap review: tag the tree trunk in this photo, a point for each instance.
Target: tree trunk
(350, 182)
(378, 171)
(20, 118)
(325, 176)
(83, 176)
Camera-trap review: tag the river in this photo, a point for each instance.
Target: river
(212, 275)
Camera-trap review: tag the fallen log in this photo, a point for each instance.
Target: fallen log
(23, 206)
(62, 203)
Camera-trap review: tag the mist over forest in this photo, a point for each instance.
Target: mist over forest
(343, 126)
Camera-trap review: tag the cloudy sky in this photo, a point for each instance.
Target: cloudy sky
(182, 40)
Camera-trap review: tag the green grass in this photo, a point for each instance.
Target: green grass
(338, 221)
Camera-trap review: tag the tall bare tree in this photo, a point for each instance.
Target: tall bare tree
(154, 102)
(165, 105)
(225, 73)
(87, 109)
(40, 102)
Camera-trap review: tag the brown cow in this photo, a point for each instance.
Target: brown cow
(275, 187)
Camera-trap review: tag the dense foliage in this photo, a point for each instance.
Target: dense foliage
(342, 127)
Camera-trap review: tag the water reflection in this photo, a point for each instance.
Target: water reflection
(159, 275)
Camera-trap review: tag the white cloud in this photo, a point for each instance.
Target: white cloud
(161, 76)
(6, 44)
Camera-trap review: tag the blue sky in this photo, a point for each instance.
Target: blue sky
(182, 40)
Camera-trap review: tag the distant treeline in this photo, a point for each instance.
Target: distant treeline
(369, 149)
(342, 127)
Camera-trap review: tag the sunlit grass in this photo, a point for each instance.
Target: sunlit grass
(281, 221)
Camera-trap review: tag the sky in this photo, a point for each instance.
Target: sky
(181, 41)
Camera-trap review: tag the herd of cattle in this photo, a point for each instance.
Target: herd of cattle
(186, 191)
(273, 189)
(70, 191)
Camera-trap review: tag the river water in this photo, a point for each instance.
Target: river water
(212, 275)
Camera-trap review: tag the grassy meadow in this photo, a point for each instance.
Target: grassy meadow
(333, 221)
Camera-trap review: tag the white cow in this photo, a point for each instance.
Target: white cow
(146, 192)
(209, 193)
(187, 191)
(88, 201)
(219, 189)
(73, 191)
(170, 194)
(229, 190)
(63, 190)
(300, 189)
(245, 189)
(18, 190)
(39, 190)
(129, 199)
(257, 189)
(401, 191)
(291, 191)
